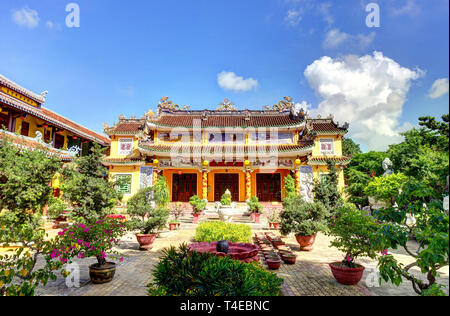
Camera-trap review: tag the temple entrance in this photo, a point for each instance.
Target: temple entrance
(268, 187)
(184, 186)
(223, 182)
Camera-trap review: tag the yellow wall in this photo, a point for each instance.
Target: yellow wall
(134, 171)
(115, 146)
(34, 122)
(337, 145)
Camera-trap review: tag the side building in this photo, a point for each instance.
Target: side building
(25, 121)
(206, 152)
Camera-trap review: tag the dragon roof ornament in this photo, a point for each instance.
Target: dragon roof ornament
(226, 105)
(284, 105)
(164, 103)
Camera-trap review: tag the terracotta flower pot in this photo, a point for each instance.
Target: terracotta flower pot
(146, 241)
(276, 226)
(306, 242)
(289, 259)
(196, 218)
(345, 275)
(102, 274)
(173, 226)
(252, 216)
(274, 264)
(257, 218)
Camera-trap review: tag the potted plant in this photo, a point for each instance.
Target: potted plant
(305, 219)
(146, 218)
(56, 207)
(177, 212)
(355, 234)
(198, 206)
(274, 219)
(255, 209)
(91, 240)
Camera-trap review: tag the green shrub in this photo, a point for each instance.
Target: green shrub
(144, 217)
(355, 234)
(55, 207)
(216, 231)
(198, 204)
(387, 188)
(226, 198)
(303, 218)
(254, 205)
(289, 186)
(181, 273)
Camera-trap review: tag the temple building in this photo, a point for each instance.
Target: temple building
(25, 121)
(206, 152)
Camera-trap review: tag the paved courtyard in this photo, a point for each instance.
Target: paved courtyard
(310, 276)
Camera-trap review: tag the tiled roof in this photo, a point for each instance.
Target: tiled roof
(29, 143)
(323, 160)
(327, 127)
(233, 120)
(14, 86)
(125, 128)
(54, 119)
(150, 147)
(122, 161)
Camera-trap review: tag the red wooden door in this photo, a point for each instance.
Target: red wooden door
(268, 187)
(223, 182)
(184, 186)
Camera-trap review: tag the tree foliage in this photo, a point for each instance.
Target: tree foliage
(87, 188)
(326, 189)
(25, 177)
(350, 148)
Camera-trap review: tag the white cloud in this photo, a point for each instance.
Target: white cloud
(26, 17)
(324, 9)
(410, 8)
(293, 17)
(335, 38)
(230, 81)
(439, 88)
(303, 105)
(368, 92)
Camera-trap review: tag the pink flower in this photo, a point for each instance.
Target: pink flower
(121, 259)
(385, 252)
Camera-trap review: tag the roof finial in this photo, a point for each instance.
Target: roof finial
(226, 105)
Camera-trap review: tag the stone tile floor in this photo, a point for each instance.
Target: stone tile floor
(310, 276)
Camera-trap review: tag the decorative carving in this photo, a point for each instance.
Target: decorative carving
(105, 126)
(387, 165)
(44, 94)
(284, 105)
(164, 103)
(74, 150)
(226, 105)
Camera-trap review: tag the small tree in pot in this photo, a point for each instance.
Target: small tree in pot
(255, 208)
(198, 206)
(355, 234)
(147, 216)
(305, 219)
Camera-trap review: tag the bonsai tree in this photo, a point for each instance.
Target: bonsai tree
(145, 217)
(25, 176)
(96, 240)
(177, 212)
(55, 207)
(198, 204)
(419, 210)
(304, 218)
(274, 216)
(226, 198)
(355, 234)
(289, 186)
(254, 205)
(86, 187)
(326, 189)
(93, 197)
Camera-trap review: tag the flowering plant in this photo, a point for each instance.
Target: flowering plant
(177, 212)
(89, 240)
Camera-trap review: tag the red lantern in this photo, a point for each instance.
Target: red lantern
(74, 137)
(180, 173)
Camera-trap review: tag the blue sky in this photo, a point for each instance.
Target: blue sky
(125, 56)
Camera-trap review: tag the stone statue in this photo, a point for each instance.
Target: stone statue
(387, 165)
